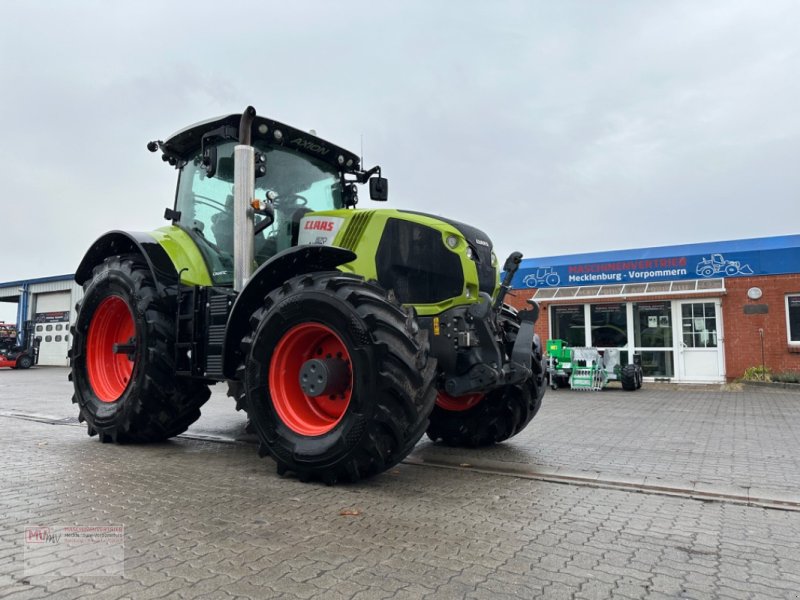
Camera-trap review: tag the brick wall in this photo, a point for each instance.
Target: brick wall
(741, 335)
(742, 339)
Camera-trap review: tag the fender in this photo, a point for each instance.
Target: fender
(281, 267)
(129, 242)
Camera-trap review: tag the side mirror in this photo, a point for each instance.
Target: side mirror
(379, 189)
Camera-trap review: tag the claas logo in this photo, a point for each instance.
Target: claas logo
(319, 225)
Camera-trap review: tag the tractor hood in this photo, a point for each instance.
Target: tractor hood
(481, 246)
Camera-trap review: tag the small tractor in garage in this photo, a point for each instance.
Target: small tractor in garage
(11, 354)
(344, 334)
(589, 369)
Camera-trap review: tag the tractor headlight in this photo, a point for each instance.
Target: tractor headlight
(470, 253)
(494, 260)
(451, 241)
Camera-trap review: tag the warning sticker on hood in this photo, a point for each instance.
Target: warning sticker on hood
(319, 230)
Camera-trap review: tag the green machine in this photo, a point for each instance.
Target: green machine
(589, 369)
(344, 334)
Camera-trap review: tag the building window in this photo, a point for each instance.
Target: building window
(66, 338)
(39, 328)
(699, 325)
(793, 318)
(49, 328)
(657, 363)
(652, 337)
(569, 324)
(609, 325)
(58, 327)
(48, 338)
(652, 324)
(58, 338)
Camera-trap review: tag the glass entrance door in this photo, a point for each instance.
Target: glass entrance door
(699, 343)
(652, 334)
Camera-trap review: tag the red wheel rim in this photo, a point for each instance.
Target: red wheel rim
(304, 414)
(109, 373)
(457, 403)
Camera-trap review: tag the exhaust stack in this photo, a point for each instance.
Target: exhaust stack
(244, 185)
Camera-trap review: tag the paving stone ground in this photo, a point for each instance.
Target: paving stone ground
(210, 520)
(748, 437)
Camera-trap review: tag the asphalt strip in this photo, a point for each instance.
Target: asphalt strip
(705, 492)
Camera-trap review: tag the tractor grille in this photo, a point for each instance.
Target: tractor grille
(414, 262)
(481, 246)
(355, 229)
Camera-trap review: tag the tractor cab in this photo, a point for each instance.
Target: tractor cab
(295, 173)
(292, 186)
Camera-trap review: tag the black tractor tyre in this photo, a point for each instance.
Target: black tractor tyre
(135, 397)
(639, 376)
(24, 362)
(560, 382)
(377, 412)
(630, 377)
(501, 413)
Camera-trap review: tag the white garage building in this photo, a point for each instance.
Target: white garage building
(45, 307)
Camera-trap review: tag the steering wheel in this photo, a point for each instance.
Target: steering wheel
(209, 202)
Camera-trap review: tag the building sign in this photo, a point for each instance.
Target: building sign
(52, 317)
(661, 264)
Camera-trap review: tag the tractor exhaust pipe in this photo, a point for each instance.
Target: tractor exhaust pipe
(244, 187)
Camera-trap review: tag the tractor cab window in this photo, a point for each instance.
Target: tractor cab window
(299, 184)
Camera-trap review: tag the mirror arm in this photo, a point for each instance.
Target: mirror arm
(363, 176)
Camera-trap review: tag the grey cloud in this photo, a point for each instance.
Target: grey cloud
(556, 127)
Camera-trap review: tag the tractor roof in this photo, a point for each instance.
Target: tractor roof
(186, 143)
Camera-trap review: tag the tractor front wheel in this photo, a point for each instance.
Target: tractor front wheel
(484, 419)
(337, 381)
(123, 365)
(24, 362)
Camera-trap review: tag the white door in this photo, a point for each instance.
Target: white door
(699, 338)
(52, 327)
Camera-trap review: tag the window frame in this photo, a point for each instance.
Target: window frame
(788, 321)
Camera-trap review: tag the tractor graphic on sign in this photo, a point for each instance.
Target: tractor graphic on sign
(716, 264)
(544, 277)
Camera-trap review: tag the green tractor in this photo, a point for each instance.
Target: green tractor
(344, 334)
(590, 369)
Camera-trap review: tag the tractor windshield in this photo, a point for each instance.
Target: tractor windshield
(299, 183)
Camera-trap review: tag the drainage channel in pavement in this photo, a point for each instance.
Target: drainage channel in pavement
(707, 492)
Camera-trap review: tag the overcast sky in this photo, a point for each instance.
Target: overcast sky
(556, 127)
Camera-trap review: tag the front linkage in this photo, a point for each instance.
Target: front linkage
(492, 376)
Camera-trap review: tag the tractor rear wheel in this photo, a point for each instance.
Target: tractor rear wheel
(123, 366)
(484, 419)
(337, 380)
